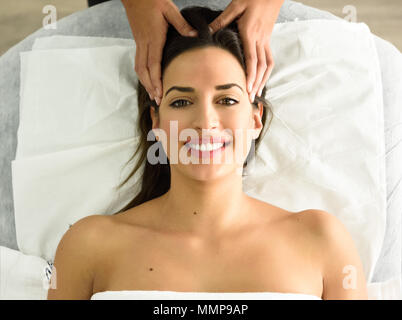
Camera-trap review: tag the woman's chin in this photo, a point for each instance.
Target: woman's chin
(207, 172)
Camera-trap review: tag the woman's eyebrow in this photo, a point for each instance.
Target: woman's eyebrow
(191, 89)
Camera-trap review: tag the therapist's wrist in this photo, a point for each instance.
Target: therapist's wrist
(274, 8)
(127, 3)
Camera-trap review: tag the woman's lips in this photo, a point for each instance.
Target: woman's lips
(206, 140)
(206, 154)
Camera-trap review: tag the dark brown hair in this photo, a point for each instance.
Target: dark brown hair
(156, 177)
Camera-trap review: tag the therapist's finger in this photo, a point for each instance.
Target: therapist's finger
(251, 61)
(261, 68)
(268, 70)
(141, 68)
(174, 17)
(154, 67)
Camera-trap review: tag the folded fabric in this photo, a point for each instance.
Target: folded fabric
(22, 277)
(323, 150)
(70, 184)
(69, 42)
(72, 98)
(386, 290)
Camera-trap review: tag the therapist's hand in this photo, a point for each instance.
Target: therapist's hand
(149, 24)
(255, 21)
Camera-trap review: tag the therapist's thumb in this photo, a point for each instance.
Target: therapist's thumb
(174, 17)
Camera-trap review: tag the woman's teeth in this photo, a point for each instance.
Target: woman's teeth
(206, 147)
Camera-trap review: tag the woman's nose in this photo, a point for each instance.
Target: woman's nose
(206, 118)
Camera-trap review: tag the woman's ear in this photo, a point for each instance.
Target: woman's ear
(155, 119)
(257, 116)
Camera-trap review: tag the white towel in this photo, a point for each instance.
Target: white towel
(175, 295)
(22, 277)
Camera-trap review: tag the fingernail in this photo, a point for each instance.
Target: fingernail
(249, 87)
(150, 96)
(210, 29)
(192, 33)
(158, 93)
(158, 101)
(252, 97)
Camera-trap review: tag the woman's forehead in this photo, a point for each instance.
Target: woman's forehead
(204, 71)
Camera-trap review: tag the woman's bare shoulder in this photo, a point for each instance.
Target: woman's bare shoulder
(314, 220)
(92, 225)
(320, 223)
(313, 226)
(98, 230)
(76, 258)
(101, 234)
(342, 268)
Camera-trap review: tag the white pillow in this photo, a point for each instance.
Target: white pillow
(77, 115)
(65, 42)
(324, 148)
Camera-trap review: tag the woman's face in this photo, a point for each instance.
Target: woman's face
(206, 111)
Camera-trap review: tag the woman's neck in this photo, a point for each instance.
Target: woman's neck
(207, 209)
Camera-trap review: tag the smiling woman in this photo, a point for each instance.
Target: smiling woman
(218, 110)
(211, 63)
(191, 228)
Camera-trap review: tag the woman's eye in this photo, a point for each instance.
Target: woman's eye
(231, 100)
(175, 106)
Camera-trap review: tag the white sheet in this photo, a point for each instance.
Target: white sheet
(22, 277)
(390, 62)
(66, 42)
(324, 148)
